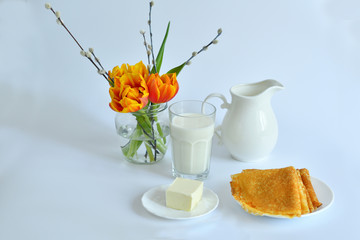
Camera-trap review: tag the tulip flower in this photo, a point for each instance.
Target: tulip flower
(138, 68)
(162, 88)
(129, 94)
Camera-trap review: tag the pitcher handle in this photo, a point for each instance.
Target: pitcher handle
(225, 104)
(222, 97)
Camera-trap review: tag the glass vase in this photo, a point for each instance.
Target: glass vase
(144, 134)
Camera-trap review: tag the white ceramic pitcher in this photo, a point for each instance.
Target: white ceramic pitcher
(249, 129)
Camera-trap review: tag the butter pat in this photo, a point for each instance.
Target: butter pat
(184, 194)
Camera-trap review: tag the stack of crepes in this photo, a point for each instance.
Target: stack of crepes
(286, 192)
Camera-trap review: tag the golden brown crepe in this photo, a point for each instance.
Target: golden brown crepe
(303, 197)
(271, 191)
(311, 206)
(305, 176)
(281, 191)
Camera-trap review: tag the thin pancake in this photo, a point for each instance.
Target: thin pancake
(305, 176)
(271, 191)
(311, 206)
(303, 196)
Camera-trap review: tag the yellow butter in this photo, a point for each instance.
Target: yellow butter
(184, 194)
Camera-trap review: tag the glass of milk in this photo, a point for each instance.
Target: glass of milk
(191, 129)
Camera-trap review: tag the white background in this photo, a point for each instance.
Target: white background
(61, 176)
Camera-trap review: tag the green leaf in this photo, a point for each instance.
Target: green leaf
(177, 69)
(160, 55)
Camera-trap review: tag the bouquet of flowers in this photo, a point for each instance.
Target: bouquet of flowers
(141, 91)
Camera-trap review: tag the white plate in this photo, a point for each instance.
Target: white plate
(154, 201)
(323, 193)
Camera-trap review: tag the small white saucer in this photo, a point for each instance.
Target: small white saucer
(154, 201)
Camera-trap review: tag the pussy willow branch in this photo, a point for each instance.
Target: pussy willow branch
(88, 56)
(62, 23)
(151, 40)
(98, 62)
(146, 48)
(214, 41)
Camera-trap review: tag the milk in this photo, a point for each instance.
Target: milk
(191, 136)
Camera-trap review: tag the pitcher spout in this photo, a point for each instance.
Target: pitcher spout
(255, 89)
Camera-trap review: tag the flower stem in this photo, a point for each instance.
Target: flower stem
(145, 133)
(149, 152)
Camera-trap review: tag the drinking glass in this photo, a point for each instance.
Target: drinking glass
(191, 129)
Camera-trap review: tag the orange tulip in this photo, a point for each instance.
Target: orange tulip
(138, 68)
(130, 92)
(162, 88)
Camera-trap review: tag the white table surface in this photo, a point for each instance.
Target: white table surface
(61, 175)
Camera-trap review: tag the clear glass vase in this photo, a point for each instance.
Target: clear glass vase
(144, 134)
